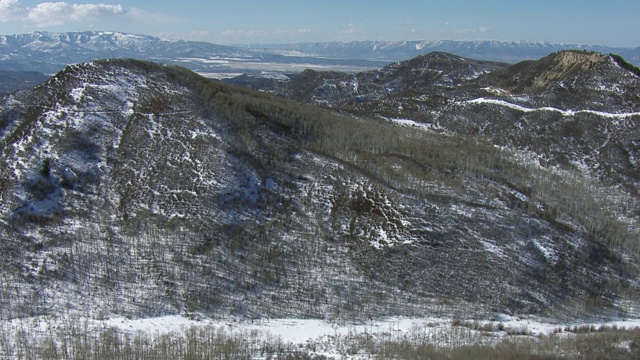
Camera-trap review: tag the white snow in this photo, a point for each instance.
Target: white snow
(211, 60)
(544, 247)
(415, 124)
(76, 93)
(563, 112)
(299, 331)
(492, 248)
(495, 91)
(218, 75)
(325, 336)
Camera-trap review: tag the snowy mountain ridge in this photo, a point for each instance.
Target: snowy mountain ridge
(505, 51)
(49, 52)
(87, 38)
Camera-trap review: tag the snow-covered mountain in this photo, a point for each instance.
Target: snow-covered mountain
(136, 189)
(50, 52)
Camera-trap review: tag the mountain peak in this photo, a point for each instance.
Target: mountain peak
(565, 64)
(537, 76)
(573, 60)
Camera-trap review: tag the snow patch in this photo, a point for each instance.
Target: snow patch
(544, 248)
(415, 124)
(492, 248)
(76, 93)
(495, 91)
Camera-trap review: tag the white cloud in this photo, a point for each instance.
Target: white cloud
(82, 11)
(199, 34)
(351, 30)
(292, 32)
(482, 29)
(262, 33)
(244, 33)
(56, 13)
(11, 10)
(7, 5)
(139, 15)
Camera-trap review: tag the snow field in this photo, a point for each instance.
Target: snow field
(316, 336)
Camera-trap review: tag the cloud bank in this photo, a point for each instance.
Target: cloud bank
(56, 13)
(11, 10)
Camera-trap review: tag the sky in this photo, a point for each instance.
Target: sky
(583, 22)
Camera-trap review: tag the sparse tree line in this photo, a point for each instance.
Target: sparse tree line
(625, 65)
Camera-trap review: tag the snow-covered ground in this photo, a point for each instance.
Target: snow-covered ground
(563, 112)
(300, 331)
(418, 125)
(326, 336)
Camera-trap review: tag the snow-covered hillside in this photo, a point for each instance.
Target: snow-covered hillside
(136, 189)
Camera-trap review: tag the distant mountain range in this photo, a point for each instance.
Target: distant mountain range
(49, 53)
(505, 51)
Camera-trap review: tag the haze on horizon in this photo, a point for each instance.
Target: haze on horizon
(612, 23)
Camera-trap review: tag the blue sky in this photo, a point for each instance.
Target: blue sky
(611, 22)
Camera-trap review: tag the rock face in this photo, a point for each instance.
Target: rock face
(540, 76)
(139, 189)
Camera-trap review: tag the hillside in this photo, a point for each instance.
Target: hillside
(574, 109)
(135, 189)
(577, 110)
